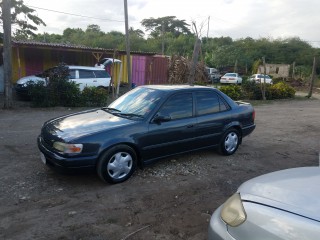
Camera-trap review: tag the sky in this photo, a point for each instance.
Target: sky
(237, 19)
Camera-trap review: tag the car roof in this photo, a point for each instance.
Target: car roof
(85, 68)
(295, 190)
(177, 87)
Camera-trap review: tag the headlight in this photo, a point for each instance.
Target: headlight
(233, 212)
(68, 148)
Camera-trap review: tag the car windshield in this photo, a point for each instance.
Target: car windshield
(138, 102)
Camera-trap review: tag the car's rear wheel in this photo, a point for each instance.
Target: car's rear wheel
(230, 142)
(117, 164)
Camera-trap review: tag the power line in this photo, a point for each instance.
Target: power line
(77, 15)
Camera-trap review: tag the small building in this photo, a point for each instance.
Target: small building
(276, 70)
(30, 57)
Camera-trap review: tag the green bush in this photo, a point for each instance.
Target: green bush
(39, 95)
(251, 90)
(94, 97)
(233, 91)
(61, 92)
(280, 90)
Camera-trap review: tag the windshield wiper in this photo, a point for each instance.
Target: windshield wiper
(129, 115)
(110, 109)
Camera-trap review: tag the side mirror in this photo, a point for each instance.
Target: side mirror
(161, 118)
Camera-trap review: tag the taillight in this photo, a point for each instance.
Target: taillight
(253, 115)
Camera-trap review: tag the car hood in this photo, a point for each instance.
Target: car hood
(295, 190)
(32, 78)
(80, 124)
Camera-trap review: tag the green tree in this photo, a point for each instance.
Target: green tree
(24, 19)
(136, 32)
(167, 24)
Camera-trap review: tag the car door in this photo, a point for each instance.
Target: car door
(102, 78)
(212, 116)
(86, 79)
(175, 133)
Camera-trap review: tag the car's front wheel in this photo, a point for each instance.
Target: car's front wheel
(117, 164)
(230, 142)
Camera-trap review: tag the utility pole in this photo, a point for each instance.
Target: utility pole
(127, 44)
(162, 33)
(313, 76)
(208, 27)
(7, 55)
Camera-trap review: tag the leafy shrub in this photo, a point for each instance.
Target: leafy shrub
(94, 97)
(39, 95)
(251, 90)
(280, 90)
(233, 91)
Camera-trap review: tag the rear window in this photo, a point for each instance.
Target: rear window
(231, 75)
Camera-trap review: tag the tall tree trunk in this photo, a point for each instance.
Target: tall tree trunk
(194, 62)
(313, 76)
(7, 62)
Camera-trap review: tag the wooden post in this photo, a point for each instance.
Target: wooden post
(293, 70)
(263, 85)
(313, 76)
(7, 54)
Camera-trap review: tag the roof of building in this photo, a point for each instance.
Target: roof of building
(28, 43)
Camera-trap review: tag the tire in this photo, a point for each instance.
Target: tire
(117, 164)
(230, 142)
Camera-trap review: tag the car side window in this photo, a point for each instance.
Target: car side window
(86, 74)
(72, 74)
(207, 103)
(101, 74)
(178, 106)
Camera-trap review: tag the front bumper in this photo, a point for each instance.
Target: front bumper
(218, 228)
(66, 162)
(21, 90)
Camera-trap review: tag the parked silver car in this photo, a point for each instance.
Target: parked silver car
(234, 78)
(261, 78)
(279, 205)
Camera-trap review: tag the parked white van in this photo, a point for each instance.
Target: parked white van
(82, 75)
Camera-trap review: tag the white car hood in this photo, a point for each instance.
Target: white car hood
(32, 78)
(296, 190)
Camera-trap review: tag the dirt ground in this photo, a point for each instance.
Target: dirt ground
(170, 200)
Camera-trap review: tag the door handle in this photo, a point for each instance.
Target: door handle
(190, 126)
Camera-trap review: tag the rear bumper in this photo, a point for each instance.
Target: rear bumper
(247, 130)
(228, 81)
